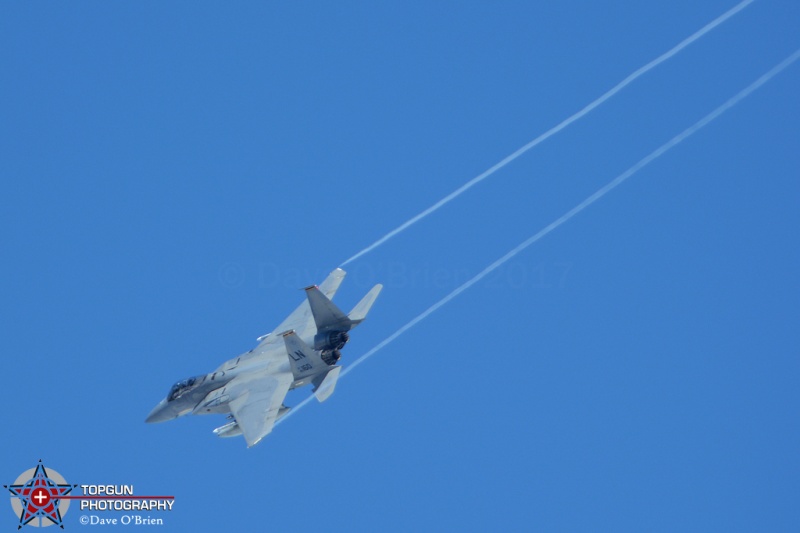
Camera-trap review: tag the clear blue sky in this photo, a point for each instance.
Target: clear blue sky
(173, 173)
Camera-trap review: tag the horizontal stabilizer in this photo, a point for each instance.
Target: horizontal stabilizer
(359, 312)
(332, 282)
(326, 315)
(325, 383)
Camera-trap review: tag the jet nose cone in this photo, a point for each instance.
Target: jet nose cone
(160, 413)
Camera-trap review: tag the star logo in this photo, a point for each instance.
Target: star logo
(36, 497)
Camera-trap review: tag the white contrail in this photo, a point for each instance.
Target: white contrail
(574, 211)
(552, 131)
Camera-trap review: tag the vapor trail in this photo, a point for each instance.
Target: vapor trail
(572, 212)
(552, 131)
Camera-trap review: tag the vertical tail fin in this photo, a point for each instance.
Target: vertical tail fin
(359, 312)
(326, 315)
(303, 360)
(329, 317)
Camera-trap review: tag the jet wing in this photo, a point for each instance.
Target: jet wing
(257, 403)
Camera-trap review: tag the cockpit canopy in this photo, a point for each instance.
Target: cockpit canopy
(184, 386)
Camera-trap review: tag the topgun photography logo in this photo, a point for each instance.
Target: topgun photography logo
(41, 497)
(37, 497)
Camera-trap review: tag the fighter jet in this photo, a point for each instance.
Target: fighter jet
(251, 388)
